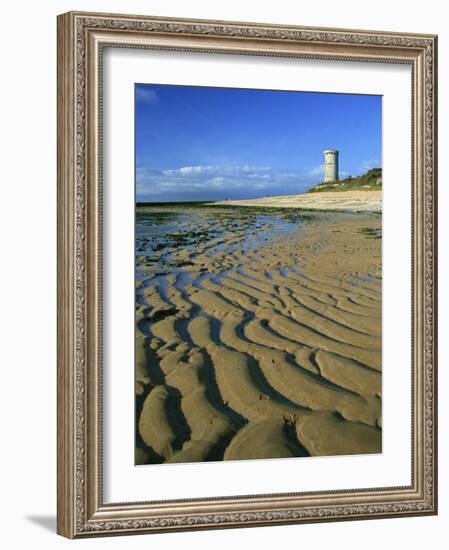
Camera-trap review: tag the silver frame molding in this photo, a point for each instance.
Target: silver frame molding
(81, 39)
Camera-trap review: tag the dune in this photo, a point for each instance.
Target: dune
(349, 201)
(329, 435)
(266, 438)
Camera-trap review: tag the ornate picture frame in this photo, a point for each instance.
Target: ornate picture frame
(82, 38)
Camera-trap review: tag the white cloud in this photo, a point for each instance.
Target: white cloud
(195, 170)
(316, 171)
(146, 95)
(258, 176)
(210, 169)
(370, 163)
(225, 180)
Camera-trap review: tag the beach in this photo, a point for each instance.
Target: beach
(358, 200)
(258, 330)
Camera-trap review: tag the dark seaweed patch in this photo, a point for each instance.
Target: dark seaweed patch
(371, 232)
(163, 314)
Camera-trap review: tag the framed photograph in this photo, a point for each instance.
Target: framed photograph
(246, 274)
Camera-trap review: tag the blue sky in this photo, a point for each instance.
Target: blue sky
(196, 143)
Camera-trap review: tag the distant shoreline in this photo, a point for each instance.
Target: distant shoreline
(347, 201)
(140, 204)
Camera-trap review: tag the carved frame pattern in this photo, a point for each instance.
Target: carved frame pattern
(81, 37)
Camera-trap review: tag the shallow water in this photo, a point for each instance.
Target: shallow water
(188, 227)
(162, 232)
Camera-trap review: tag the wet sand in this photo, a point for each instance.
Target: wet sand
(258, 336)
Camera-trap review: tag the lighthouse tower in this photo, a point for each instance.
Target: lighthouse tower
(330, 165)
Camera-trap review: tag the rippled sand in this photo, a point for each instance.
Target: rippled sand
(263, 352)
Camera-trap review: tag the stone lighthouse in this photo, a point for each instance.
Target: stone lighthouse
(330, 165)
